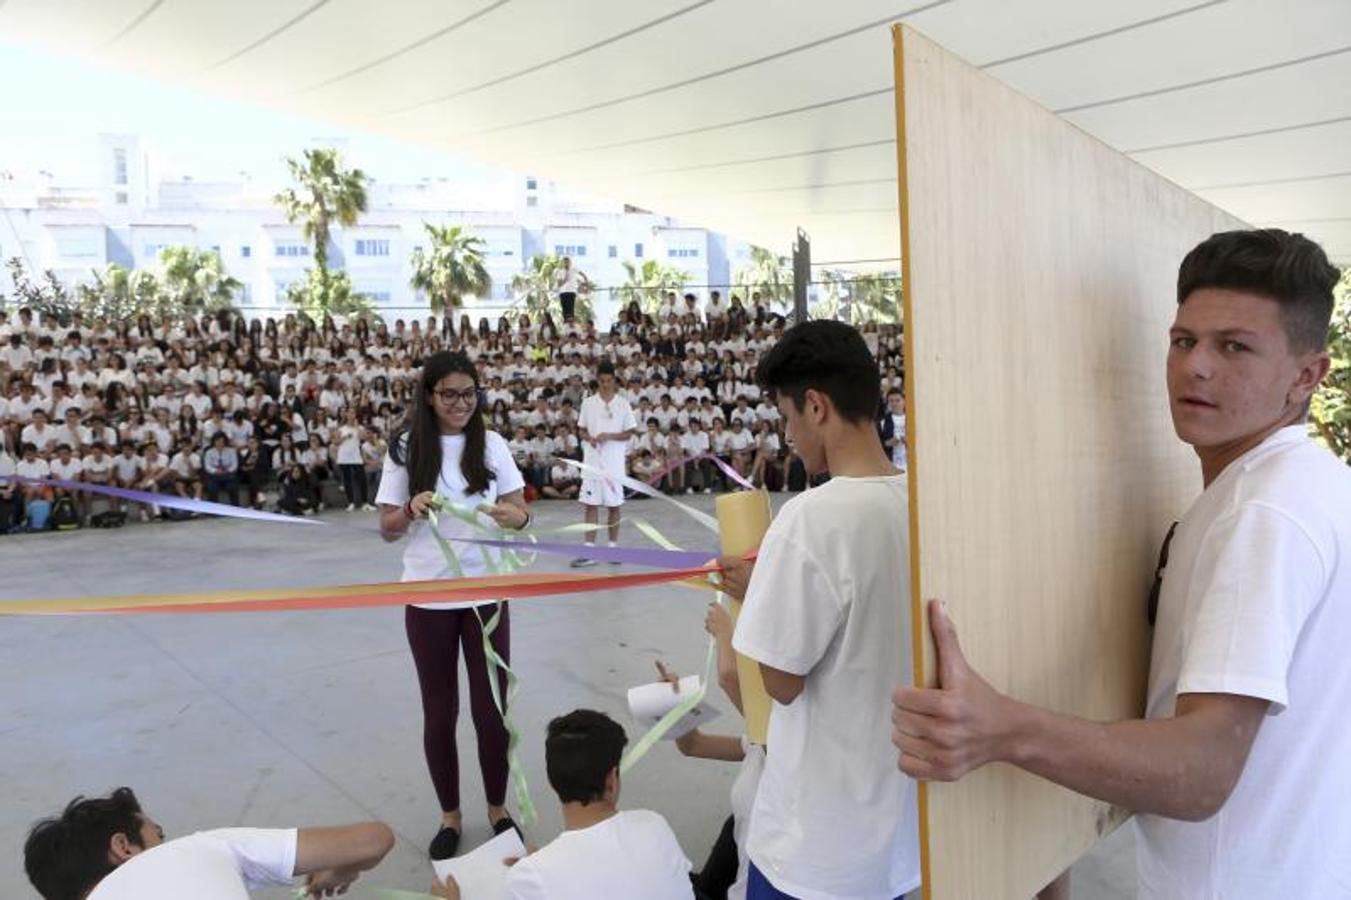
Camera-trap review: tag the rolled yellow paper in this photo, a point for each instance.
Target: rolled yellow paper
(743, 519)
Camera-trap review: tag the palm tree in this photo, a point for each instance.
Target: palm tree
(117, 293)
(537, 292)
(195, 279)
(647, 282)
(325, 195)
(768, 275)
(453, 267)
(858, 298)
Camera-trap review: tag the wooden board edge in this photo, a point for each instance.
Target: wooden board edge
(919, 632)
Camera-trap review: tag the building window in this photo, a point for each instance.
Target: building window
(245, 251)
(614, 251)
(532, 201)
(638, 250)
(293, 249)
(120, 198)
(372, 247)
(570, 249)
(378, 296)
(530, 184)
(119, 165)
(681, 253)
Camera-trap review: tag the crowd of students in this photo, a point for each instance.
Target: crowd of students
(270, 413)
(1236, 771)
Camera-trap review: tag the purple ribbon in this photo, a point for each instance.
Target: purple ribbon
(171, 501)
(639, 556)
(721, 464)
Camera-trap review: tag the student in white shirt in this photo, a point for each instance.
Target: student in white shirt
(448, 452)
(606, 423)
(695, 444)
(1238, 772)
(40, 434)
(827, 619)
(727, 867)
(107, 848)
(896, 443)
(34, 468)
(349, 462)
(602, 852)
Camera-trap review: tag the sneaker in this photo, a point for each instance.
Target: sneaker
(582, 562)
(351, 507)
(367, 507)
(505, 824)
(444, 845)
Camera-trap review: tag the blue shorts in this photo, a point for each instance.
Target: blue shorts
(759, 888)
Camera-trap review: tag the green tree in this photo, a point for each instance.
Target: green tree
(766, 274)
(322, 293)
(647, 282)
(1330, 410)
(47, 296)
(536, 289)
(195, 280)
(116, 293)
(325, 195)
(453, 267)
(858, 298)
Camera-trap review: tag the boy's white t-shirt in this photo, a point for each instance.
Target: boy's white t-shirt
(1256, 601)
(599, 417)
(423, 559)
(829, 599)
(97, 470)
(633, 854)
(209, 865)
(36, 469)
(66, 471)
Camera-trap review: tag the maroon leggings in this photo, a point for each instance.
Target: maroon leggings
(435, 636)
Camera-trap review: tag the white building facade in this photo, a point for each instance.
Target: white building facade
(129, 218)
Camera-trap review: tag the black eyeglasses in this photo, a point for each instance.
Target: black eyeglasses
(467, 397)
(1158, 575)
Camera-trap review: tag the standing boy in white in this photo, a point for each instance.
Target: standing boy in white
(1239, 771)
(605, 424)
(826, 617)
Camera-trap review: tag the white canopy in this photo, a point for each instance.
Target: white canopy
(756, 118)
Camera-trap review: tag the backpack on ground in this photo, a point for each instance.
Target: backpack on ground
(108, 519)
(64, 516)
(39, 511)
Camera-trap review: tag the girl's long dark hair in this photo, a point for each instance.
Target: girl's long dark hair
(418, 447)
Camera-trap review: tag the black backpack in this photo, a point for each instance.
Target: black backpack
(64, 516)
(108, 519)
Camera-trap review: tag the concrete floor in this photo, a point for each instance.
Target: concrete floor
(280, 719)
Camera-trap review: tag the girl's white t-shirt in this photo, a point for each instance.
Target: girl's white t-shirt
(349, 446)
(423, 559)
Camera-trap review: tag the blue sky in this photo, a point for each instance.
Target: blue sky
(52, 123)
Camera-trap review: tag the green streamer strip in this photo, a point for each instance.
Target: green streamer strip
(503, 564)
(668, 721)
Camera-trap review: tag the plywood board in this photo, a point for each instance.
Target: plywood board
(1039, 268)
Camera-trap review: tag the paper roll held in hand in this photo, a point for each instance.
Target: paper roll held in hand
(743, 519)
(649, 703)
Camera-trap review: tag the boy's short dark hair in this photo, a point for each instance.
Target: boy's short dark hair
(605, 368)
(67, 855)
(826, 356)
(1289, 268)
(581, 749)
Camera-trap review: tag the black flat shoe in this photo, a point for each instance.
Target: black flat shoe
(444, 845)
(505, 824)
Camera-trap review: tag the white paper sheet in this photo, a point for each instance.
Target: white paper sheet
(480, 873)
